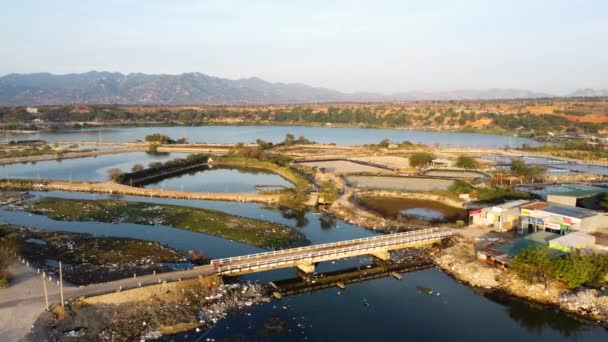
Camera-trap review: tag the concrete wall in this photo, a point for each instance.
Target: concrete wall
(565, 200)
(591, 224)
(166, 291)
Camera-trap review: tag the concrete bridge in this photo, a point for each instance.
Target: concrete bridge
(305, 258)
(293, 286)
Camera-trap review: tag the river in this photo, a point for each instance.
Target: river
(249, 134)
(375, 310)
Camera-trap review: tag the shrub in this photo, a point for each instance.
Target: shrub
(421, 159)
(467, 162)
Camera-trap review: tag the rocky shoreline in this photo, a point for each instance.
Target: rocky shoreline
(459, 262)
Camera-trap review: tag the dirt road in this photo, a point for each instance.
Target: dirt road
(23, 301)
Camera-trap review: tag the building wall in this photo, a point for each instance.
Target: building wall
(591, 224)
(565, 200)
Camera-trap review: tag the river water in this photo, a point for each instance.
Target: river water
(249, 134)
(376, 310)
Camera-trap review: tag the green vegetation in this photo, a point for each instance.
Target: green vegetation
(164, 139)
(254, 232)
(571, 149)
(421, 159)
(328, 191)
(29, 152)
(483, 194)
(538, 265)
(467, 162)
(257, 157)
(7, 249)
(156, 168)
(85, 248)
(520, 168)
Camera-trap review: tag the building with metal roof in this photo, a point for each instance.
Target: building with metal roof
(560, 219)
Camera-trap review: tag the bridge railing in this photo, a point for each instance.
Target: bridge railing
(294, 258)
(325, 245)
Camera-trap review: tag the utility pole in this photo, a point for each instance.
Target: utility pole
(61, 284)
(46, 295)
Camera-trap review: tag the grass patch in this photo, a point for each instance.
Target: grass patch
(290, 198)
(258, 233)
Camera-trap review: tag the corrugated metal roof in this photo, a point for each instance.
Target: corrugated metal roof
(575, 212)
(575, 239)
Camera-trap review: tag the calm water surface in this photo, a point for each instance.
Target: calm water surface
(83, 169)
(234, 134)
(376, 310)
(222, 180)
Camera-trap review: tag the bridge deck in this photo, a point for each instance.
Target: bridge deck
(293, 255)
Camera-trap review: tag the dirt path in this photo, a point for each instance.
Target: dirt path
(114, 188)
(23, 301)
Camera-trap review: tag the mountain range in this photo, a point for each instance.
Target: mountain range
(197, 88)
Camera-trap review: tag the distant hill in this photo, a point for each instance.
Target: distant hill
(196, 88)
(589, 92)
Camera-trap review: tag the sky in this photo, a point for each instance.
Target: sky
(384, 46)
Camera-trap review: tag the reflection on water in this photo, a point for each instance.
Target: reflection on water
(93, 169)
(424, 214)
(412, 209)
(537, 317)
(242, 180)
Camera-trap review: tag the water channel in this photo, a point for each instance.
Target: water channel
(380, 309)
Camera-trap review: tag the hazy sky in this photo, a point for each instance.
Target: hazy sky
(386, 46)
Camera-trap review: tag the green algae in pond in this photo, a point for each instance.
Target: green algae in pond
(254, 232)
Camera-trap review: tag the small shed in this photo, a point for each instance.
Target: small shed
(573, 241)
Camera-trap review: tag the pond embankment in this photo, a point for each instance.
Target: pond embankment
(120, 189)
(68, 155)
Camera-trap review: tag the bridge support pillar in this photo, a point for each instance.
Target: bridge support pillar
(305, 269)
(382, 255)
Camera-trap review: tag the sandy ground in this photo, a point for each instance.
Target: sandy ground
(413, 184)
(343, 166)
(390, 161)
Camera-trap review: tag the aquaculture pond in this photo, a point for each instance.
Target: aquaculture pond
(554, 166)
(214, 179)
(235, 134)
(374, 310)
(94, 169)
(413, 209)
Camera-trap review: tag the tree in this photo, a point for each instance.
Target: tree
(533, 265)
(115, 173)
(421, 159)
(521, 168)
(7, 250)
(159, 139)
(137, 167)
(328, 191)
(467, 162)
(384, 143)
